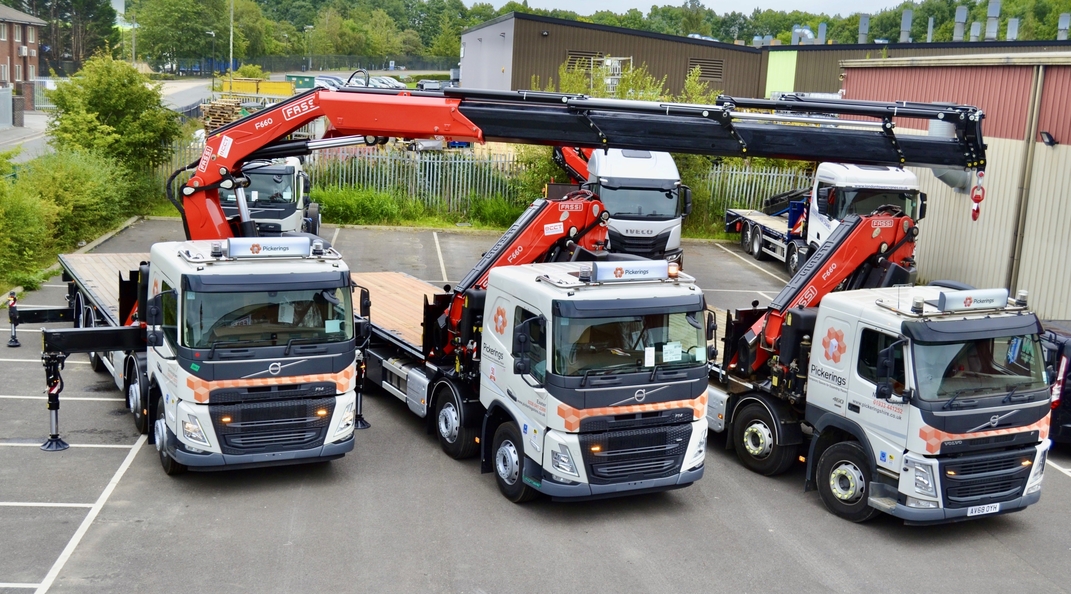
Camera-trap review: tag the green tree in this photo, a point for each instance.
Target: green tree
(411, 44)
(169, 31)
(109, 108)
(382, 35)
(448, 41)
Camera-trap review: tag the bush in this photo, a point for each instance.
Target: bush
(495, 211)
(351, 206)
(251, 71)
(86, 194)
(25, 232)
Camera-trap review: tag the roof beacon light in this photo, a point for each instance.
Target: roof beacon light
(917, 305)
(630, 271)
(673, 270)
(585, 273)
(318, 248)
(972, 299)
(1020, 298)
(217, 249)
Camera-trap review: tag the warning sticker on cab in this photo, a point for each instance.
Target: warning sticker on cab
(554, 229)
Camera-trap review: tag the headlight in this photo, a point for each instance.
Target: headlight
(345, 423)
(701, 448)
(924, 479)
(562, 462)
(192, 431)
(1039, 470)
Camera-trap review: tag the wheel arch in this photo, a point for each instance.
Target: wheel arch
(784, 433)
(832, 429)
(495, 416)
(469, 407)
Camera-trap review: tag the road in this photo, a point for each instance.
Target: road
(397, 515)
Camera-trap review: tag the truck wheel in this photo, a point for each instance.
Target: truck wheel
(793, 259)
(508, 448)
(842, 481)
(457, 441)
(756, 442)
(756, 245)
(170, 466)
(313, 215)
(136, 393)
(745, 237)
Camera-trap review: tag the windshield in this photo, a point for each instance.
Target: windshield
(268, 317)
(979, 368)
(864, 201)
(628, 343)
(639, 203)
(264, 188)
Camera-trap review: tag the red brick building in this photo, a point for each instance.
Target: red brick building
(20, 35)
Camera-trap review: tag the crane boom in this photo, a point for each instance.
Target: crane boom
(558, 119)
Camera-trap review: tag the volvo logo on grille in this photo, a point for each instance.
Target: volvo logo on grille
(992, 422)
(275, 368)
(640, 395)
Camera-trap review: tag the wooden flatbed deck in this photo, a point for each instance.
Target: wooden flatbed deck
(98, 277)
(397, 303)
(778, 224)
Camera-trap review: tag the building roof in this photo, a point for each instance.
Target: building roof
(1021, 59)
(10, 15)
(936, 45)
(607, 28)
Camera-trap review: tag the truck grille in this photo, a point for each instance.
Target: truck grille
(273, 426)
(985, 478)
(635, 454)
(649, 247)
(280, 392)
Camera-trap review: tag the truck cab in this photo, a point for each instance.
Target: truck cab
(841, 189)
(647, 203)
(278, 198)
(598, 372)
(928, 404)
(251, 353)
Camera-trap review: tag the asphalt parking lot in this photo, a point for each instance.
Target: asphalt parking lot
(397, 515)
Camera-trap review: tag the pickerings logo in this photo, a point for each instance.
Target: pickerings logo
(619, 272)
(255, 248)
(833, 345)
(500, 320)
(967, 301)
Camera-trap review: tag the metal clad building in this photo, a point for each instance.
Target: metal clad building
(507, 52)
(817, 67)
(1022, 236)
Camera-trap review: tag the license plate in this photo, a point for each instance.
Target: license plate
(981, 510)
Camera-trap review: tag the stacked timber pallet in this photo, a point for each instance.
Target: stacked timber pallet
(221, 112)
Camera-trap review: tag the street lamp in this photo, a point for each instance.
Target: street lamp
(308, 45)
(213, 66)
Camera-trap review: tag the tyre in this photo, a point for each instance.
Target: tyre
(313, 216)
(745, 237)
(756, 244)
(842, 481)
(137, 391)
(457, 441)
(89, 320)
(755, 441)
(508, 451)
(170, 466)
(794, 259)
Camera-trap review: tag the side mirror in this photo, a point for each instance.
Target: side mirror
(822, 201)
(686, 196)
(364, 329)
(886, 368)
(365, 304)
(712, 326)
(306, 184)
(922, 207)
(154, 316)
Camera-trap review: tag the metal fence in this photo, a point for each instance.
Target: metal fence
(325, 62)
(6, 109)
(41, 101)
(743, 186)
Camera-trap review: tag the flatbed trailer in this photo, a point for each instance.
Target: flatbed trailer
(400, 299)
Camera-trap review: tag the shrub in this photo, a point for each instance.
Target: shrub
(357, 207)
(25, 235)
(251, 71)
(86, 193)
(495, 211)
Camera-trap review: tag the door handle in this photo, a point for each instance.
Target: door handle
(511, 395)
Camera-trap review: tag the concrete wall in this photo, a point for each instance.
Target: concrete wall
(487, 57)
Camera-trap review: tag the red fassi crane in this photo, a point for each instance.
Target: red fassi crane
(574, 160)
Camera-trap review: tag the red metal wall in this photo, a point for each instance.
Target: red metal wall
(1003, 92)
(1056, 104)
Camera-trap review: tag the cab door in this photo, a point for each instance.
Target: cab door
(884, 422)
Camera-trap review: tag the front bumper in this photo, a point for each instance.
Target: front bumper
(586, 491)
(915, 516)
(214, 461)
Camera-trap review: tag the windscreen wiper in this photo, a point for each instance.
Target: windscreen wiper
(959, 393)
(1014, 387)
(212, 351)
(293, 341)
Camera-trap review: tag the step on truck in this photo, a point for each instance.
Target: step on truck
(792, 225)
(231, 354)
(927, 403)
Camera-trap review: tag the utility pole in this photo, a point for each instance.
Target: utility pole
(213, 66)
(308, 45)
(230, 65)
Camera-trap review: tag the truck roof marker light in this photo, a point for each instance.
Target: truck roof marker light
(226, 419)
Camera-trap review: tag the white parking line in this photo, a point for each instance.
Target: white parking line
(438, 250)
(14, 585)
(1066, 471)
(733, 291)
(65, 398)
(30, 504)
(750, 263)
(764, 295)
(55, 286)
(73, 445)
(88, 521)
(335, 236)
(38, 361)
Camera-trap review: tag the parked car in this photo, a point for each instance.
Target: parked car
(429, 85)
(339, 83)
(324, 82)
(1056, 342)
(391, 82)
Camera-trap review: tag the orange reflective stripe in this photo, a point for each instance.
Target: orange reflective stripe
(202, 388)
(573, 416)
(935, 437)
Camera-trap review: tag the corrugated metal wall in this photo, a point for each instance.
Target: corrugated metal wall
(1045, 266)
(818, 67)
(1003, 92)
(536, 54)
(1056, 104)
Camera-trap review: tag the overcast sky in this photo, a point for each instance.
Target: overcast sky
(831, 7)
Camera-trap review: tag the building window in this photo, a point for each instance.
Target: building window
(582, 60)
(709, 70)
(3, 31)
(18, 72)
(18, 32)
(31, 36)
(33, 72)
(872, 343)
(3, 73)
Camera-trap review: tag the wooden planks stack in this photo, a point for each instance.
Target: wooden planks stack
(221, 112)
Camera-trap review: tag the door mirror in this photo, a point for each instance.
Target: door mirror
(712, 326)
(922, 207)
(886, 370)
(822, 201)
(686, 198)
(154, 316)
(364, 304)
(306, 184)
(522, 343)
